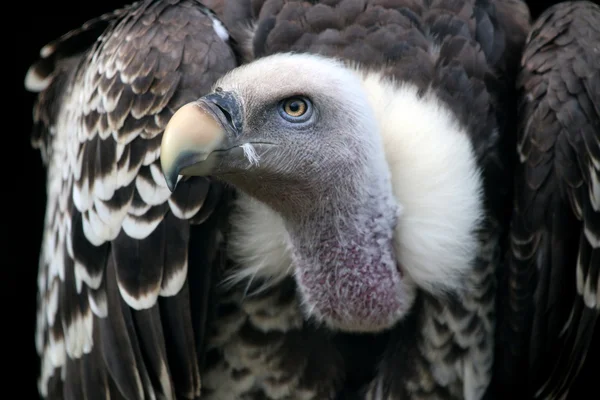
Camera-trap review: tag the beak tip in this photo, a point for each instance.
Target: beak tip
(171, 179)
(171, 185)
(170, 173)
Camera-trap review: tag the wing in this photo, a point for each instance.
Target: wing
(554, 255)
(119, 313)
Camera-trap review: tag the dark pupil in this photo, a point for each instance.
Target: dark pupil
(295, 106)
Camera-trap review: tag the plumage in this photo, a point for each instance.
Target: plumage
(552, 266)
(109, 208)
(201, 241)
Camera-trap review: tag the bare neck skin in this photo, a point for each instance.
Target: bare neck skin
(343, 252)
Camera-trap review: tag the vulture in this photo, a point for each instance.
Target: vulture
(337, 199)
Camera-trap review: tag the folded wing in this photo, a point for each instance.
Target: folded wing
(114, 299)
(554, 255)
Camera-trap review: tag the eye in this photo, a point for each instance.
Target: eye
(295, 109)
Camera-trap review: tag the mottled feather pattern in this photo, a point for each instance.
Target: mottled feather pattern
(554, 264)
(115, 287)
(261, 345)
(105, 260)
(451, 358)
(47, 68)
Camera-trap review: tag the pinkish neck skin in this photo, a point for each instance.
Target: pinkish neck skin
(345, 263)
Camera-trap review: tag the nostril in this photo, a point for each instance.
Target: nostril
(227, 114)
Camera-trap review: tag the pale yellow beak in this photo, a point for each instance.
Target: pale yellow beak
(189, 138)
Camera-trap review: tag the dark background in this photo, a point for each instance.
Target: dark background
(23, 189)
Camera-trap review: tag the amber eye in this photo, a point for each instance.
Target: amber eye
(295, 109)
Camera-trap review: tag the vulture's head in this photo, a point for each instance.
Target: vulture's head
(377, 187)
(279, 127)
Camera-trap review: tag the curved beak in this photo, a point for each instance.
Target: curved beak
(195, 132)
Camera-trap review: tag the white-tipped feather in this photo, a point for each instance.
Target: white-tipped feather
(139, 209)
(78, 335)
(172, 285)
(105, 186)
(52, 302)
(57, 350)
(157, 175)
(591, 237)
(142, 301)
(82, 273)
(589, 293)
(150, 192)
(595, 184)
(94, 229)
(39, 320)
(81, 195)
(183, 213)
(139, 228)
(47, 370)
(151, 155)
(110, 217)
(34, 82)
(98, 303)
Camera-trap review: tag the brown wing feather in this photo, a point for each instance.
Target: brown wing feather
(554, 260)
(106, 259)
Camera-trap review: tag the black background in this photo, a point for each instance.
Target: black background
(23, 179)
